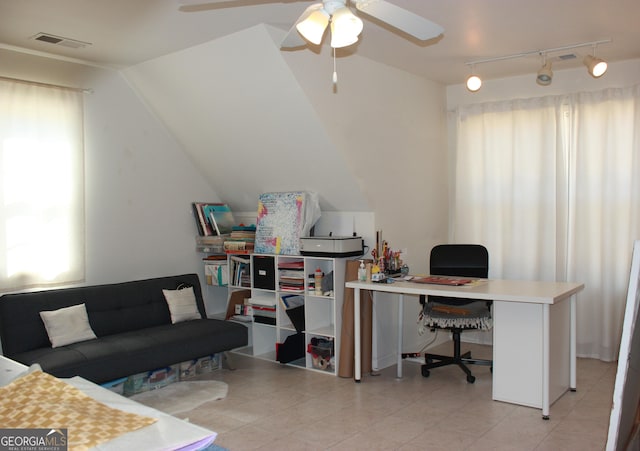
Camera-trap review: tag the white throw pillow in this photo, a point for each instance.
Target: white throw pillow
(67, 325)
(182, 304)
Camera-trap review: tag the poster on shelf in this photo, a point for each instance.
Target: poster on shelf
(282, 219)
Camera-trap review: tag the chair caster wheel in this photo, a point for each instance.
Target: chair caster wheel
(425, 372)
(471, 379)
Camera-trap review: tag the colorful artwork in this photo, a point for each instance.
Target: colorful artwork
(282, 219)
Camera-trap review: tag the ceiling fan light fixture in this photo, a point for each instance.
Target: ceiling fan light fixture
(595, 66)
(312, 28)
(474, 83)
(345, 28)
(545, 75)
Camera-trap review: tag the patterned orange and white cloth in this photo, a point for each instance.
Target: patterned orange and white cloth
(39, 400)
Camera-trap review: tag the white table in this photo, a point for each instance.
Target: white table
(167, 433)
(528, 317)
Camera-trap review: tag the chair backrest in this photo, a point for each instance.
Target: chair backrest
(466, 260)
(463, 260)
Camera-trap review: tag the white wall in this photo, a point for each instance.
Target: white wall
(234, 105)
(138, 183)
(257, 119)
(140, 186)
(220, 115)
(390, 127)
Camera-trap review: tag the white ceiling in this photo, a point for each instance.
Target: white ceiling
(126, 32)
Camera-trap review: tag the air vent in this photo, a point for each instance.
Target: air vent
(59, 40)
(568, 56)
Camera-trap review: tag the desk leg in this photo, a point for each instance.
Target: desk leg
(357, 369)
(400, 321)
(573, 353)
(545, 361)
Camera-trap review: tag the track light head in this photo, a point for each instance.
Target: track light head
(545, 75)
(595, 66)
(474, 83)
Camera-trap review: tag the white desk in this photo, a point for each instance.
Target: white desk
(527, 317)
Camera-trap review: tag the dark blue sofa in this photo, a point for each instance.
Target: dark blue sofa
(131, 320)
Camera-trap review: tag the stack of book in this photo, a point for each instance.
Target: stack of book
(264, 310)
(241, 239)
(291, 276)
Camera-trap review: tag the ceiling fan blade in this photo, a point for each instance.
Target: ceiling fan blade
(400, 18)
(293, 39)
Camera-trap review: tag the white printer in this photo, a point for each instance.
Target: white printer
(332, 246)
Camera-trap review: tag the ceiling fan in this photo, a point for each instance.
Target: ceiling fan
(345, 26)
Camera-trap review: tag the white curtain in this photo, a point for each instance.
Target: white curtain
(552, 187)
(42, 185)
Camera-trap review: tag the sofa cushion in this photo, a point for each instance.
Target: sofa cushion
(113, 356)
(112, 309)
(182, 304)
(67, 325)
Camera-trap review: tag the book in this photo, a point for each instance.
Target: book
(204, 225)
(213, 218)
(199, 219)
(220, 217)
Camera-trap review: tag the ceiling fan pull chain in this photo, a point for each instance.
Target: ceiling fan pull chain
(335, 74)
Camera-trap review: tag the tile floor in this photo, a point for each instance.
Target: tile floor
(277, 407)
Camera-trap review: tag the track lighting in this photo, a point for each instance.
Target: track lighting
(545, 75)
(474, 83)
(596, 66)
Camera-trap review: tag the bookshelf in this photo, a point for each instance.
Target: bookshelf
(290, 317)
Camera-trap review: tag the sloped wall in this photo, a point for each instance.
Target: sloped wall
(255, 119)
(235, 107)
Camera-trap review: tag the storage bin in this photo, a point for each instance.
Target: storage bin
(208, 363)
(322, 354)
(151, 380)
(162, 377)
(263, 271)
(116, 386)
(136, 383)
(188, 370)
(291, 349)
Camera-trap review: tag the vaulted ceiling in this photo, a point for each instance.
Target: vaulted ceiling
(122, 33)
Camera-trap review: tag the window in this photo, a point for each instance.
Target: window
(42, 185)
(552, 187)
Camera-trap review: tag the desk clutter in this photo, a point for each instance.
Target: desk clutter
(386, 263)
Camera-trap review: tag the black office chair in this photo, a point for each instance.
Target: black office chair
(457, 314)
